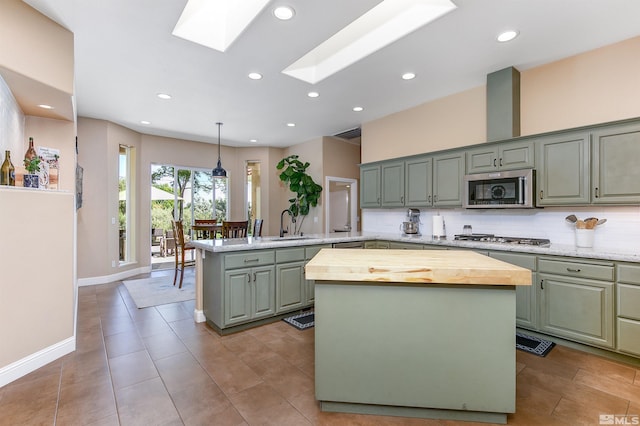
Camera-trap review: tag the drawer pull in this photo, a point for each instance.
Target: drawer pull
(573, 270)
(251, 260)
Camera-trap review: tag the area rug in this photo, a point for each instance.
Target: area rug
(301, 321)
(160, 290)
(533, 345)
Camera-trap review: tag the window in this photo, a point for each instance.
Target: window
(125, 205)
(253, 192)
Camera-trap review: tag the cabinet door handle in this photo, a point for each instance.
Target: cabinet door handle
(254, 277)
(541, 284)
(573, 270)
(494, 162)
(251, 260)
(402, 199)
(501, 162)
(429, 198)
(435, 198)
(248, 277)
(378, 200)
(597, 192)
(541, 194)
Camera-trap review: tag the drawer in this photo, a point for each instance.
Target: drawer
(628, 336)
(249, 259)
(289, 255)
(628, 273)
(309, 252)
(629, 301)
(572, 269)
(521, 260)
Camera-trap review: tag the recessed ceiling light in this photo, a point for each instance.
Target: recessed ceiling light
(283, 13)
(253, 140)
(255, 75)
(507, 36)
(358, 109)
(313, 94)
(408, 76)
(387, 22)
(164, 96)
(216, 24)
(291, 124)
(45, 106)
(145, 122)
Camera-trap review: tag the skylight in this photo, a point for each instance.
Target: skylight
(216, 23)
(389, 21)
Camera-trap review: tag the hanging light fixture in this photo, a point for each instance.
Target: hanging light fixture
(219, 172)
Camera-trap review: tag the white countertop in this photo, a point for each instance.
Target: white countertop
(240, 244)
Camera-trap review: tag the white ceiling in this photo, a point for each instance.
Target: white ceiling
(125, 55)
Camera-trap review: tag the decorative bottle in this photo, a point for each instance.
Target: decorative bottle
(31, 152)
(7, 171)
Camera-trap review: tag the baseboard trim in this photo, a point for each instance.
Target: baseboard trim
(198, 316)
(26, 365)
(106, 279)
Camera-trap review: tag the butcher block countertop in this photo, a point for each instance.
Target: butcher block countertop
(414, 266)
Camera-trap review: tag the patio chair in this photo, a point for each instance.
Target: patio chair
(167, 244)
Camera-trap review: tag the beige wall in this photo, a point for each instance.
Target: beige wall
(453, 121)
(594, 87)
(310, 151)
(53, 63)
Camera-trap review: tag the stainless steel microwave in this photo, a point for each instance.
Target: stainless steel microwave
(513, 189)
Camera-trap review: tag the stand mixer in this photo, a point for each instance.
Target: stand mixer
(412, 224)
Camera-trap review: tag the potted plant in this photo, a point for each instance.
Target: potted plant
(32, 178)
(307, 192)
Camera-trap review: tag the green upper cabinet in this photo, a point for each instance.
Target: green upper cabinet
(615, 169)
(418, 182)
(448, 172)
(562, 163)
(370, 186)
(504, 156)
(392, 184)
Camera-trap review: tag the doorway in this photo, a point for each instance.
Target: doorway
(341, 211)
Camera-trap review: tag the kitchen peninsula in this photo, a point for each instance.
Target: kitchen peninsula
(415, 333)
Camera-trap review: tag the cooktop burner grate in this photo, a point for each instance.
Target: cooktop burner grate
(490, 238)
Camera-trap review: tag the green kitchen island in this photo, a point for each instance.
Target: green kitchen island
(415, 333)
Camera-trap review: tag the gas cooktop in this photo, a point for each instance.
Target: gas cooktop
(490, 238)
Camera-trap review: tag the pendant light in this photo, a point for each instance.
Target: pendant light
(219, 172)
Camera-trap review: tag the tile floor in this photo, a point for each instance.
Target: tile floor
(155, 366)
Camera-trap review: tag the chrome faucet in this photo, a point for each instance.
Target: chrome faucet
(293, 220)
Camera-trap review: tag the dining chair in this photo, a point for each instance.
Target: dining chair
(257, 228)
(203, 233)
(237, 229)
(181, 248)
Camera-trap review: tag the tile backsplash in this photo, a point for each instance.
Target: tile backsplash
(621, 232)
(11, 124)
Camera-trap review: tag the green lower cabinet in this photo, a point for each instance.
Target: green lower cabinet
(376, 244)
(290, 290)
(577, 309)
(310, 285)
(249, 293)
(526, 300)
(628, 308)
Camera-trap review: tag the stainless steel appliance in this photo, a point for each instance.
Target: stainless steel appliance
(490, 238)
(412, 225)
(513, 189)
